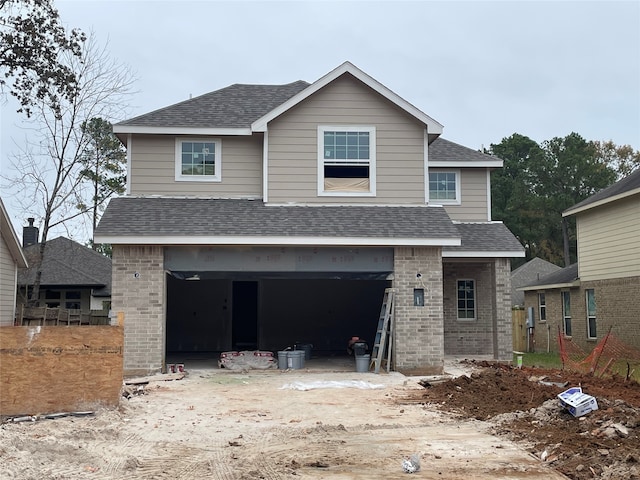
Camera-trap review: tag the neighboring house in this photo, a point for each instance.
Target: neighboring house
(258, 216)
(73, 276)
(525, 274)
(599, 292)
(11, 259)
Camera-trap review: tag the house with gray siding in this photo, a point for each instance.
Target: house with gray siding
(261, 216)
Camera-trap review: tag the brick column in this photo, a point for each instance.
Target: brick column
(503, 340)
(419, 331)
(138, 290)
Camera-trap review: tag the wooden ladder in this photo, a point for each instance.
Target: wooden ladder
(385, 326)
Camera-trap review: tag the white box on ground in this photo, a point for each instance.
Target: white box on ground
(576, 402)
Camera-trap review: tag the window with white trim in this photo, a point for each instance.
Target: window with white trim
(566, 313)
(198, 160)
(346, 160)
(444, 187)
(542, 307)
(466, 296)
(590, 297)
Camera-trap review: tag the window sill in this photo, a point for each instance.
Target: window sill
(346, 194)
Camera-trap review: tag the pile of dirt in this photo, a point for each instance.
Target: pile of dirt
(522, 405)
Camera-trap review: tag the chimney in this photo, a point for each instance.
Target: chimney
(30, 234)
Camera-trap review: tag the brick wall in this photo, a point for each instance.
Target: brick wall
(138, 290)
(419, 332)
(617, 307)
(490, 332)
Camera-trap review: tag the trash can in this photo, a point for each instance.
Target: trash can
(282, 360)
(306, 347)
(360, 348)
(362, 363)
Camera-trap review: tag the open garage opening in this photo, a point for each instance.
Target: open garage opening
(207, 316)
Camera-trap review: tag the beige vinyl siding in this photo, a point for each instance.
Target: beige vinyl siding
(609, 240)
(293, 155)
(153, 168)
(7, 285)
(473, 186)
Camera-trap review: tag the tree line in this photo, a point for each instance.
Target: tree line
(540, 181)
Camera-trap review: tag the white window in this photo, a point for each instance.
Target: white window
(198, 160)
(346, 160)
(444, 187)
(566, 313)
(542, 307)
(466, 296)
(591, 314)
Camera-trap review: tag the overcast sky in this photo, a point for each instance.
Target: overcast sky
(485, 70)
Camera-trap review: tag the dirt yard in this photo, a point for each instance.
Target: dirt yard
(229, 425)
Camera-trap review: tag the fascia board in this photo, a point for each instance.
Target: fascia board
(482, 254)
(433, 126)
(551, 286)
(278, 241)
(467, 163)
(179, 130)
(11, 238)
(604, 201)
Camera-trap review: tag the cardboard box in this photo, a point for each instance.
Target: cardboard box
(577, 402)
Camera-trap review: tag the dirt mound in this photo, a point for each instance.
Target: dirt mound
(522, 405)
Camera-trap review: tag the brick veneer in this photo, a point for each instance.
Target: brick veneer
(138, 289)
(490, 332)
(617, 307)
(419, 332)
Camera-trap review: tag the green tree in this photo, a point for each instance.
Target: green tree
(513, 198)
(32, 42)
(538, 183)
(103, 163)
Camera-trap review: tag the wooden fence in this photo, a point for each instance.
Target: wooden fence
(519, 330)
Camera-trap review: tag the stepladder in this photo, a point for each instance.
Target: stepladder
(383, 340)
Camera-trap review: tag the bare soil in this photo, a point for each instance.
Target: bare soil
(228, 425)
(604, 443)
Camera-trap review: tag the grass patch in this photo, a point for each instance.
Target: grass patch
(541, 360)
(552, 360)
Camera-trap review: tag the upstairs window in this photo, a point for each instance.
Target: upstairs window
(346, 161)
(444, 187)
(198, 160)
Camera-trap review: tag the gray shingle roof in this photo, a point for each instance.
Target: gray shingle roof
(531, 271)
(441, 150)
(189, 217)
(566, 275)
(67, 263)
(485, 237)
(235, 106)
(631, 182)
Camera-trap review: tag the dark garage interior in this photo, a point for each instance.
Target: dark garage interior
(258, 312)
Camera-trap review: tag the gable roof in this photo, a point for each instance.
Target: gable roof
(10, 238)
(242, 109)
(184, 221)
(565, 277)
(445, 153)
(67, 263)
(530, 272)
(628, 186)
(434, 128)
